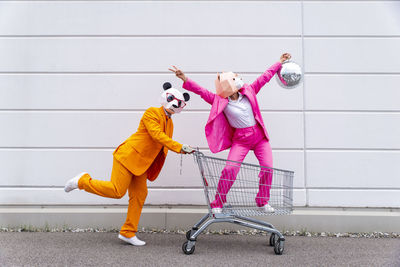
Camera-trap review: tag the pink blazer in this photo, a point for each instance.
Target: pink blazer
(219, 133)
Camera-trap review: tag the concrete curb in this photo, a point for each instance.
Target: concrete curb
(178, 217)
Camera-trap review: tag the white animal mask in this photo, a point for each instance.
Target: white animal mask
(173, 99)
(227, 84)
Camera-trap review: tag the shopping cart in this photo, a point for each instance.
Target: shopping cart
(240, 200)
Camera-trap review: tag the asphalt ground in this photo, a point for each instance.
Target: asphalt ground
(164, 249)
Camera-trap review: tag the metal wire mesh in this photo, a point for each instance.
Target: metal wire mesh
(250, 186)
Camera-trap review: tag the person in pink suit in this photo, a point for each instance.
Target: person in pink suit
(235, 122)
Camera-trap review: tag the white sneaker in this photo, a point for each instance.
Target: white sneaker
(216, 210)
(73, 183)
(267, 208)
(133, 240)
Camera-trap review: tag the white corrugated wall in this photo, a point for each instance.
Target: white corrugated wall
(76, 76)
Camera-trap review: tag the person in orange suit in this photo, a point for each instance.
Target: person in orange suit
(138, 159)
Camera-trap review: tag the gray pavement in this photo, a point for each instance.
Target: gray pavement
(162, 249)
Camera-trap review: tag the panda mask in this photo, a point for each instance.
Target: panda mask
(173, 99)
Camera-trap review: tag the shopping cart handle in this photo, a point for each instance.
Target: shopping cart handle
(197, 152)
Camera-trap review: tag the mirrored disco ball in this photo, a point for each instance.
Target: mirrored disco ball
(290, 75)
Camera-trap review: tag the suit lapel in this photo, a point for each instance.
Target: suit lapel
(166, 125)
(221, 104)
(249, 95)
(252, 99)
(245, 92)
(169, 127)
(163, 118)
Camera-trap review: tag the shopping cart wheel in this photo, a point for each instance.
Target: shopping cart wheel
(279, 246)
(272, 240)
(188, 233)
(184, 246)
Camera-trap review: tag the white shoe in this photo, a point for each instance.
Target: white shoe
(216, 210)
(133, 240)
(73, 183)
(267, 208)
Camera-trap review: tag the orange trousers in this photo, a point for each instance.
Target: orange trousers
(121, 180)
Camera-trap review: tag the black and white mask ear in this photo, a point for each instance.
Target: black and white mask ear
(186, 96)
(167, 86)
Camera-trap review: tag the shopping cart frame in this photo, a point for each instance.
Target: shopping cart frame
(277, 240)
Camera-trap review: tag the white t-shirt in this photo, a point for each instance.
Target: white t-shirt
(239, 112)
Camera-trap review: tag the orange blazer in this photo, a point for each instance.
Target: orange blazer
(146, 150)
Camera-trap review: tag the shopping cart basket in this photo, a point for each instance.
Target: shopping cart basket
(240, 200)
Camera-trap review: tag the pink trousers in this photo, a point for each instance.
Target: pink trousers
(244, 140)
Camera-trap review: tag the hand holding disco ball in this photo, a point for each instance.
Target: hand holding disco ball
(290, 75)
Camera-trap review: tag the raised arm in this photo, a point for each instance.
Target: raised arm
(192, 86)
(269, 73)
(197, 89)
(152, 124)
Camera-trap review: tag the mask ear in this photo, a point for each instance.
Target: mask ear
(167, 85)
(186, 96)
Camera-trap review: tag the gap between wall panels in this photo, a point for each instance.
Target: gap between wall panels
(304, 107)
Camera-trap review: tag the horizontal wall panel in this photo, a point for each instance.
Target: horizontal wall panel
(57, 196)
(352, 18)
(39, 196)
(353, 92)
(352, 55)
(141, 54)
(354, 198)
(67, 129)
(52, 167)
(44, 167)
(149, 18)
(109, 129)
(353, 130)
(347, 169)
(285, 129)
(121, 91)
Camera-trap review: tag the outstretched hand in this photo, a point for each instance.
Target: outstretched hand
(285, 57)
(178, 73)
(186, 149)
